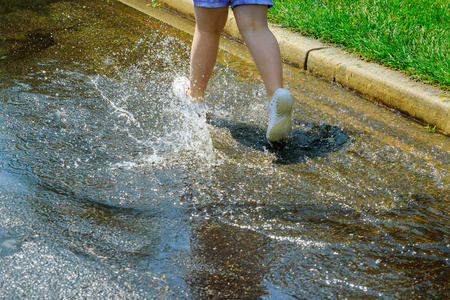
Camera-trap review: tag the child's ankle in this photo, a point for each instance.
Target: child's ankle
(192, 98)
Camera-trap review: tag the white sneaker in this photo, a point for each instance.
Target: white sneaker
(279, 109)
(179, 88)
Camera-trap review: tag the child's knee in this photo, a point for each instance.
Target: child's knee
(215, 29)
(250, 18)
(252, 26)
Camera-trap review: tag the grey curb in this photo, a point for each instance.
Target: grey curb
(423, 102)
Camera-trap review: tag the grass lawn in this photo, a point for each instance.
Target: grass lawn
(408, 35)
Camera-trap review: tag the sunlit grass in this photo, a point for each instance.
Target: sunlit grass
(409, 35)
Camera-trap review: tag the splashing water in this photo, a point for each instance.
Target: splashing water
(176, 134)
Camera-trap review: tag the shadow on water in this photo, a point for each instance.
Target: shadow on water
(306, 140)
(35, 41)
(39, 31)
(9, 6)
(89, 200)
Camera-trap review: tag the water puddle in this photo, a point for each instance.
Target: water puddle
(110, 186)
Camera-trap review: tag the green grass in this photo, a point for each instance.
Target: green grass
(408, 35)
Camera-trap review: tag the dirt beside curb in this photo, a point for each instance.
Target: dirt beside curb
(423, 102)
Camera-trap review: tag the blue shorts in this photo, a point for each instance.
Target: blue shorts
(233, 3)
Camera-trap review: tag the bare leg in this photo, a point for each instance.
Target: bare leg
(262, 44)
(209, 25)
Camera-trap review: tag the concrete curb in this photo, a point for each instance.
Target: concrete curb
(423, 102)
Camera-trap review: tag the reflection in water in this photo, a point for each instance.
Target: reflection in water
(110, 187)
(228, 261)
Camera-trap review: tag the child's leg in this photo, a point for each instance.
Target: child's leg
(209, 25)
(252, 23)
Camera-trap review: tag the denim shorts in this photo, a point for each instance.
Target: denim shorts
(233, 3)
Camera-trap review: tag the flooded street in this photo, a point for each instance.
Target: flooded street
(110, 188)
